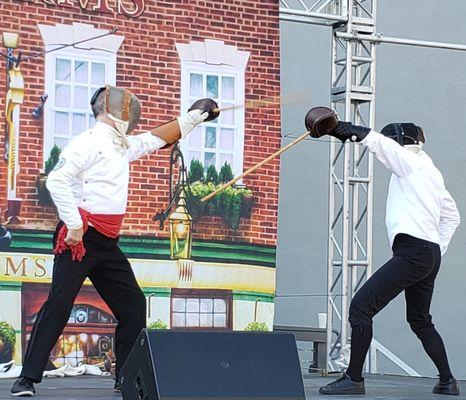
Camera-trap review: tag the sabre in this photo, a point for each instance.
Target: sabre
(255, 167)
(290, 98)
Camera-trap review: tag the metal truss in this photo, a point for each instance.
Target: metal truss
(319, 12)
(349, 261)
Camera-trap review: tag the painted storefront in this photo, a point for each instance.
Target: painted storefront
(168, 53)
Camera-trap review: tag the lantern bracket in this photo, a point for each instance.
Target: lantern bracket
(176, 158)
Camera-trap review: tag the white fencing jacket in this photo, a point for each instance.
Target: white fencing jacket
(93, 173)
(418, 204)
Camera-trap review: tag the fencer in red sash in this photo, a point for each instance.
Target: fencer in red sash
(89, 187)
(421, 218)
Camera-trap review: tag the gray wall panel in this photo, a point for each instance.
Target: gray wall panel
(425, 86)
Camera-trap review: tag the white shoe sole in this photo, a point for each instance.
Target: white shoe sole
(26, 393)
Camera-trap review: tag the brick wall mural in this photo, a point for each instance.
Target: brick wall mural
(169, 53)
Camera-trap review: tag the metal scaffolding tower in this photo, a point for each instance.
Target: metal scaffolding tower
(350, 171)
(349, 261)
(350, 208)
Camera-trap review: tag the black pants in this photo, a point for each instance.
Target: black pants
(412, 269)
(111, 274)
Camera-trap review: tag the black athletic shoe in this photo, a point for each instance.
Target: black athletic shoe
(117, 387)
(449, 387)
(343, 386)
(23, 387)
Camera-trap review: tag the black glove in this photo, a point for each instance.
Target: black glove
(347, 131)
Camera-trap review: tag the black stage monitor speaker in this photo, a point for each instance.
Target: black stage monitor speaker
(212, 365)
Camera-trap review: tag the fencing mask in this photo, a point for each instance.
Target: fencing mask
(122, 107)
(406, 134)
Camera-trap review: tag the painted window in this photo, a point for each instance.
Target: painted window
(212, 68)
(72, 77)
(192, 309)
(220, 141)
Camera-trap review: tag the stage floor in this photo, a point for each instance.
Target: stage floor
(378, 387)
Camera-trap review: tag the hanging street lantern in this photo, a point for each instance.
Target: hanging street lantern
(181, 224)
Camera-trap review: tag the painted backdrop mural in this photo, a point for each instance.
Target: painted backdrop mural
(201, 265)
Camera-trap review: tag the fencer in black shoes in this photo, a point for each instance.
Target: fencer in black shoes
(344, 386)
(421, 218)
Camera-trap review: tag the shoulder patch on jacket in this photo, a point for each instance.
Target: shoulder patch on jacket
(59, 164)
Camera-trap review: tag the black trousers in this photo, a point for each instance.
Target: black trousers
(412, 269)
(111, 274)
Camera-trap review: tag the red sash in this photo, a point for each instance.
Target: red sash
(106, 224)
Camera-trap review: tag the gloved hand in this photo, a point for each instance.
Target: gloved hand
(347, 131)
(190, 120)
(321, 121)
(207, 105)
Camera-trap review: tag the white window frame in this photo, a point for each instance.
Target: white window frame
(188, 67)
(50, 60)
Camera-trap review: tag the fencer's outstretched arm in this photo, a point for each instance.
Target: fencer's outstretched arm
(180, 127)
(201, 110)
(449, 220)
(166, 134)
(321, 121)
(395, 157)
(163, 135)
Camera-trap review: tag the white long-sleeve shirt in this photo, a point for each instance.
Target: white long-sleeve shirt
(418, 204)
(93, 173)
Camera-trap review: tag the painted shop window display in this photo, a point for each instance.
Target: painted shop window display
(211, 265)
(88, 337)
(82, 348)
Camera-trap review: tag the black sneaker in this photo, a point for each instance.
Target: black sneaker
(117, 387)
(343, 386)
(23, 387)
(449, 387)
